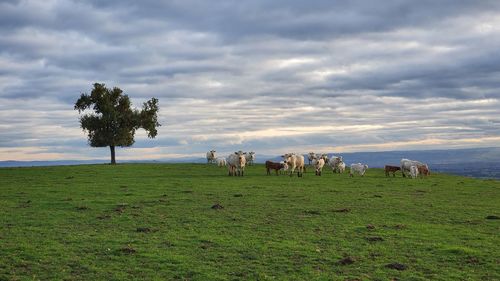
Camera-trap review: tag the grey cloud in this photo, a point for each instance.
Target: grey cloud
(225, 69)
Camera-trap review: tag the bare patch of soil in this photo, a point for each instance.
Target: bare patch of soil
(343, 210)
(25, 204)
(103, 217)
(120, 208)
(128, 250)
(346, 261)
(472, 260)
(217, 207)
(205, 244)
(396, 266)
(168, 244)
(374, 238)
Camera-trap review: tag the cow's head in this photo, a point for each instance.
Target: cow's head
(288, 157)
(425, 170)
(241, 159)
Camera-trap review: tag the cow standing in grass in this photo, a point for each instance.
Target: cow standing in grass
(424, 170)
(319, 166)
(295, 162)
(273, 166)
(236, 164)
(414, 172)
(337, 164)
(250, 157)
(358, 168)
(341, 167)
(407, 163)
(221, 161)
(391, 169)
(211, 156)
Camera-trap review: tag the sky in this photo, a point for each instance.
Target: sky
(265, 76)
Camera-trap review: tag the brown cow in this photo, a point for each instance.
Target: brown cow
(391, 169)
(423, 170)
(273, 166)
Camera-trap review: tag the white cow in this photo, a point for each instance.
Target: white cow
(236, 164)
(335, 162)
(407, 163)
(358, 168)
(211, 156)
(319, 166)
(221, 161)
(414, 172)
(341, 167)
(295, 161)
(250, 157)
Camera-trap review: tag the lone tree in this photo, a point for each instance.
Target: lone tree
(113, 122)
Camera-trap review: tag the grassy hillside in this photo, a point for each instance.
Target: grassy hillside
(155, 221)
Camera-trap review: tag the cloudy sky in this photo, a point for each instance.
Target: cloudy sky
(269, 76)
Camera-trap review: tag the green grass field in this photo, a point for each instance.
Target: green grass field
(156, 222)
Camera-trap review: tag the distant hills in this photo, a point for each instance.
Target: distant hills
(474, 162)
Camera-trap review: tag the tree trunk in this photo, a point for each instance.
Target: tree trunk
(112, 148)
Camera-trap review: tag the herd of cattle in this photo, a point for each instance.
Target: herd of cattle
(293, 162)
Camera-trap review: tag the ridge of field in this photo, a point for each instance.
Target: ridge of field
(193, 222)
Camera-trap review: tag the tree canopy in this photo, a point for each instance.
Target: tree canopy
(113, 121)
